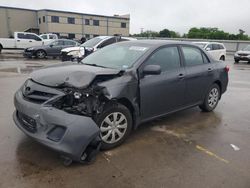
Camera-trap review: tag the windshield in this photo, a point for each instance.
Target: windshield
(118, 56)
(43, 36)
(91, 43)
(247, 48)
(201, 45)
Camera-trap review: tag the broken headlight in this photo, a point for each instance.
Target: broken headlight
(81, 103)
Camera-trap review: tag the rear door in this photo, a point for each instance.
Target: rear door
(22, 40)
(199, 74)
(160, 94)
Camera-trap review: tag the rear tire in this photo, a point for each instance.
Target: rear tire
(211, 99)
(115, 124)
(40, 54)
(1, 49)
(236, 61)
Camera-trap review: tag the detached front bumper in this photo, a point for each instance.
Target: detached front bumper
(28, 54)
(69, 134)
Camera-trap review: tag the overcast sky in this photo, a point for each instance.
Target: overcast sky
(177, 15)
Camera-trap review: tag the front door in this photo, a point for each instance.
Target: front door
(160, 94)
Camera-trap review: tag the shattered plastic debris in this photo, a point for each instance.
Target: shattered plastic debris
(236, 148)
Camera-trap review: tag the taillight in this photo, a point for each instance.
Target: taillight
(227, 68)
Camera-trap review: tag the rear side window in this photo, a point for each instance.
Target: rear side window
(69, 43)
(192, 56)
(22, 36)
(108, 42)
(216, 46)
(168, 58)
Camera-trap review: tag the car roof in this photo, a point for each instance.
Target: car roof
(156, 43)
(206, 42)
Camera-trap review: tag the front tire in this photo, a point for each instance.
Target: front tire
(212, 98)
(236, 61)
(115, 125)
(40, 54)
(222, 58)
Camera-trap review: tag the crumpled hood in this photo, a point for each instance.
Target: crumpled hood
(70, 74)
(243, 52)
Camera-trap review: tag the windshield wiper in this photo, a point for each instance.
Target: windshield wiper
(95, 65)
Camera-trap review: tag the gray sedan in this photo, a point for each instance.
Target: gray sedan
(53, 49)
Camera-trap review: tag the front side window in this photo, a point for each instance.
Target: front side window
(55, 19)
(58, 43)
(215, 46)
(192, 56)
(96, 22)
(168, 58)
(44, 36)
(71, 20)
(22, 36)
(33, 37)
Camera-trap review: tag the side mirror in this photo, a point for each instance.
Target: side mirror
(152, 70)
(208, 49)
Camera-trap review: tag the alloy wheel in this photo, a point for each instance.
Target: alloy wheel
(113, 127)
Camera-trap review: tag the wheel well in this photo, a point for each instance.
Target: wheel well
(1, 46)
(222, 57)
(129, 105)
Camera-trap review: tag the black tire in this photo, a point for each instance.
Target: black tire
(210, 102)
(1, 49)
(107, 113)
(40, 54)
(222, 58)
(236, 61)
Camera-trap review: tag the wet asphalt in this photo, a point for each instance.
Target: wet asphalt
(185, 149)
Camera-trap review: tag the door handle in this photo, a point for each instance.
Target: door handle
(181, 76)
(18, 40)
(209, 69)
(30, 41)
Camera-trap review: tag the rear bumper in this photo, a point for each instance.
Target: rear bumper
(66, 133)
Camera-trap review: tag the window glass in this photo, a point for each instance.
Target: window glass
(123, 25)
(86, 21)
(71, 20)
(69, 43)
(168, 58)
(33, 37)
(221, 46)
(71, 35)
(43, 36)
(215, 47)
(52, 37)
(43, 19)
(39, 20)
(22, 36)
(192, 56)
(118, 56)
(209, 46)
(205, 59)
(55, 19)
(107, 42)
(96, 22)
(58, 43)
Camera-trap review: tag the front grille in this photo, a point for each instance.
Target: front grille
(38, 96)
(36, 93)
(27, 122)
(243, 54)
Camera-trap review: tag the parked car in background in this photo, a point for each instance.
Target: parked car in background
(76, 108)
(215, 49)
(242, 55)
(21, 40)
(52, 49)
(90, 46)
(48, 37)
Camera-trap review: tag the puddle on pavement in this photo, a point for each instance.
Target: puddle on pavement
(21, 70)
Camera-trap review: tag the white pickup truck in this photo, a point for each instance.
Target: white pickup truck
(21, 40)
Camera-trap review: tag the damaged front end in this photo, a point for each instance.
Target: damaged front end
(63, 117)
